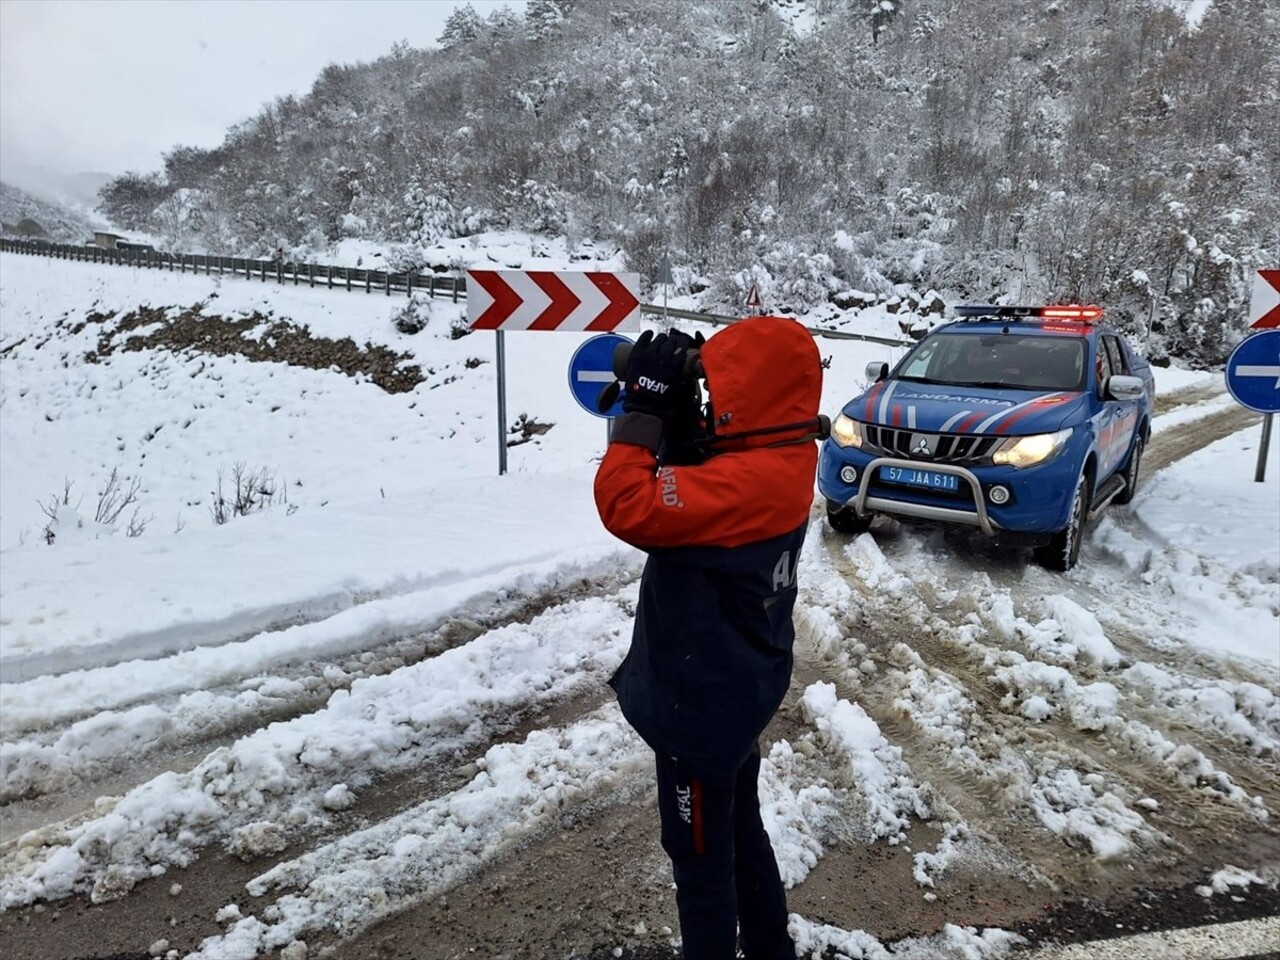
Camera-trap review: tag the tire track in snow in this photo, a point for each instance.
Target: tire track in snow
(1171, 445)
(1189, 396)
(111, 745)
(949, 739)
(372, 623)
(969, 670)
(355, 880)
(329, 887)
(285, 776)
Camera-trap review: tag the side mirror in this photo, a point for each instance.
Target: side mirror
(877, 371)
(1121, 387)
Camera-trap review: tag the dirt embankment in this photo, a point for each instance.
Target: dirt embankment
(255, 336)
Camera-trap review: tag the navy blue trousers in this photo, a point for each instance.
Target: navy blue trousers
(727, 884)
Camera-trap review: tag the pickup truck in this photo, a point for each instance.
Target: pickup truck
(1020, 421)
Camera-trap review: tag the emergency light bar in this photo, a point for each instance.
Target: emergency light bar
(1072, 311)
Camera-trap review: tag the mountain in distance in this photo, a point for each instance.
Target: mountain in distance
(77, 191)
(22, 214)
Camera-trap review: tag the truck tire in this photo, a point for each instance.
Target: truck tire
(1131, 471)
(844, 519)
(1062, 552)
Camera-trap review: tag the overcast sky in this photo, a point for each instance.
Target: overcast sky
(106, 86)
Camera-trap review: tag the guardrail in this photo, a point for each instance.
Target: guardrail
(330, 277)
(280, 271)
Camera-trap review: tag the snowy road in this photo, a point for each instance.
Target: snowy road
(969, 740)
(373, 721)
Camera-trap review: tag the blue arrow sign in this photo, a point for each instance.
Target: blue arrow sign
(591, 370)
(1253, 372)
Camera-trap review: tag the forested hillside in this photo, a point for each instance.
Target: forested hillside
(1100, 150)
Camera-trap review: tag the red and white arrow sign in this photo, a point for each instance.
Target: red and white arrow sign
(546, 300)
(1264, 305)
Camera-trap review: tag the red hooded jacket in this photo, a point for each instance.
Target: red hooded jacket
(710, 657)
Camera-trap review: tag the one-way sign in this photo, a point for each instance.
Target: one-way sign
(1253, 372)
(591, 370)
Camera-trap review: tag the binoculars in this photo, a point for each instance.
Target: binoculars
(691, 370)
(692, 363)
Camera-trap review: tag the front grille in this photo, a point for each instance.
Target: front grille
(947, 447)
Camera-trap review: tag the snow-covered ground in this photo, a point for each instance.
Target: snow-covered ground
(389, 519)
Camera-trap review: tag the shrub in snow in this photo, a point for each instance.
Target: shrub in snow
(117, 495)
(525, 429)
(352, 226)
(250, 490)
(406, 258)
(413, 316)
(802, 278)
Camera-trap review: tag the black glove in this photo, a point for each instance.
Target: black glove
(655, 372)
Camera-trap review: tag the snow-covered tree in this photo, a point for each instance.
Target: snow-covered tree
(543, 18)
(463, 25)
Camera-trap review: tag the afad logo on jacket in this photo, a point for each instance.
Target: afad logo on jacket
(667, 484)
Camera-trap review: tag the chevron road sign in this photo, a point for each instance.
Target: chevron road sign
(552, 300)
(1264, 305)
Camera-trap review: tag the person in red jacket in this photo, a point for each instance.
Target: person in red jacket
(719, 498)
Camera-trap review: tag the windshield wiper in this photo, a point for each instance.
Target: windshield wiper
(943, 383)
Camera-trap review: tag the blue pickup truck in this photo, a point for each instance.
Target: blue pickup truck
(1021, 422)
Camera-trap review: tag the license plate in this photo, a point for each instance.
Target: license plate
(929, 479)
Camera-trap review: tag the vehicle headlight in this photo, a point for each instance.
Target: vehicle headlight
(846, 431)
(1028, 451)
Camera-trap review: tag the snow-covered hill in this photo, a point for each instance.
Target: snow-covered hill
(58, 223)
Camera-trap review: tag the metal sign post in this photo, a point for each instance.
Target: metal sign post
(1253, 379)
(1260, 473)
(665, 278)
(500, 355)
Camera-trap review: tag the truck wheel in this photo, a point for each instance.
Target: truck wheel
(1063, 550)
(846, 520)
(1131, 472)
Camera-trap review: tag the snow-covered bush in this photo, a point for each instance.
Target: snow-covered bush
(352, 226)
(413, 316)
(66, 522)
(251, 490)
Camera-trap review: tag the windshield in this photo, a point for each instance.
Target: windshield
(1020, 361)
